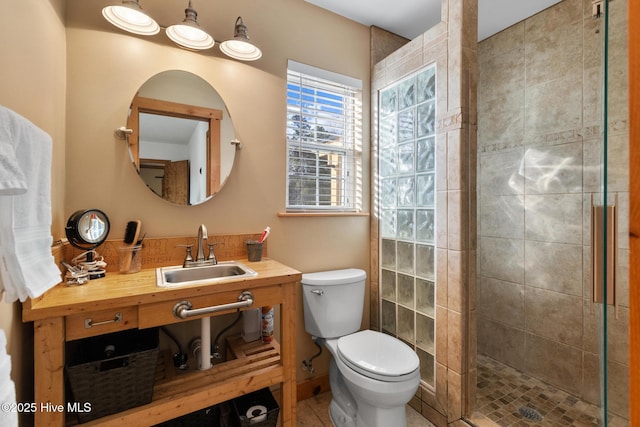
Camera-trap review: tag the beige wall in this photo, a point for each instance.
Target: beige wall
(76, 80)
(106, 68)
(33, 84)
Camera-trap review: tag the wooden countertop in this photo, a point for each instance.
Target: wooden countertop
(121, 290)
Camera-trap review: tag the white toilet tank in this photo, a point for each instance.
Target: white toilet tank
(333, 302)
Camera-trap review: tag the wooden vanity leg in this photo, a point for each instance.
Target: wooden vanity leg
(288, 354)
(48, 361)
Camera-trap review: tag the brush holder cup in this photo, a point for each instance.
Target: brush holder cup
(129, 259)
(254, 250)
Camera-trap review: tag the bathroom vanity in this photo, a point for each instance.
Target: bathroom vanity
(120, 302)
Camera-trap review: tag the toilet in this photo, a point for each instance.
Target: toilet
(372, 375)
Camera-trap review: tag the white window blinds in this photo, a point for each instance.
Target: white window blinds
(324, 131)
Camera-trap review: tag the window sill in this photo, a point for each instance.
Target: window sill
(320, 214)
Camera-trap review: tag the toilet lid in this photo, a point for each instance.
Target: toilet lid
(378, 355)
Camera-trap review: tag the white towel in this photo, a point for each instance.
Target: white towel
(27, 268)
(8, 417)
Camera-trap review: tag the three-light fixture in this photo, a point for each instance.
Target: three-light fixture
(130, 17)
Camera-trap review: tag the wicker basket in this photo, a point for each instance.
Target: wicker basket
(121, 381)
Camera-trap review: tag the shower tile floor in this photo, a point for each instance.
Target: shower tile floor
(502, 391)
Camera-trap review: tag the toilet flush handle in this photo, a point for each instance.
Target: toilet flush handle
(318, 292)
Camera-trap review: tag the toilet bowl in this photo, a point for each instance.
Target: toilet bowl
(372, 375)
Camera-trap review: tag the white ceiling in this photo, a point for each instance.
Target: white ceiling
(410, 18)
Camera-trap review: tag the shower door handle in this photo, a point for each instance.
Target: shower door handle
(604, 253)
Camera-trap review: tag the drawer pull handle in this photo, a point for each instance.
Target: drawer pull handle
(183, 310)
(89, 323)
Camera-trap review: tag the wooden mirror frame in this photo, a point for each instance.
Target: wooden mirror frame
(173, 109)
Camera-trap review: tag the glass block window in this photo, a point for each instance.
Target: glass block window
(324, 131)
(406, 194)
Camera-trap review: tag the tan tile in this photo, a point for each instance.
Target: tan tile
(500, 172)
(591, 378)
(441, 161)
(454, 397)
(618, 335)
(553, 106)
(442, 288)
(554, 169)
(618, 170)
(415, 419)
(562, 270)
(472, 277)
(557, 364)
(440, 395)
(481, 420)
(505, 41)
(501, 342)
(564, 13)
(455, 342)
(455, 160)
(458, 219)
(554, 54)
(554, 316)
(456, 274)
(502, 216)
(441, 335)
(307, 416)
(592, 96)
(501, 259)
(442, 219)
(554, 218)
(442, 81)
(501, 301)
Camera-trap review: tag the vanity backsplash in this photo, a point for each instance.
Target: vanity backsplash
(165, 251)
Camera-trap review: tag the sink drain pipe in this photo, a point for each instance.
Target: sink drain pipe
(205, 344)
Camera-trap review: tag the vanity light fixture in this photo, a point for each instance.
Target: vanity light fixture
(130, 17)
(240, 47)
(188, 32)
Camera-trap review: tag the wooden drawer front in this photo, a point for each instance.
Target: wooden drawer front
(100, 322)
(162, 313)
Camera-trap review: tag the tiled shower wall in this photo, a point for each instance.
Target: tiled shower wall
(539, 151)
(451, 45)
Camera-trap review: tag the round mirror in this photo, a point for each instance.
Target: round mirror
(181, 141)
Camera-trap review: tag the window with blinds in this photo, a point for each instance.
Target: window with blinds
(324, 129)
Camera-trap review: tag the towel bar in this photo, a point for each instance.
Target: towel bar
(183, 310)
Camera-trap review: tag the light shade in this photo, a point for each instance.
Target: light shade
(240, 47)
(188, 32)
(130, 17)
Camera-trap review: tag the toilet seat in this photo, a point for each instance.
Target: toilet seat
(378, 355)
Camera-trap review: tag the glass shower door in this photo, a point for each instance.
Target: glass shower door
(552, 178)
(610, 218)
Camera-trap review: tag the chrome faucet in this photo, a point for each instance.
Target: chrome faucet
(200, 245)
(202, 241)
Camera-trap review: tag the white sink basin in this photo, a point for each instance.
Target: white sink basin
(167, 277)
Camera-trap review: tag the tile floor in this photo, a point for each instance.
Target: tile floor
(314, 412)
(502, 391)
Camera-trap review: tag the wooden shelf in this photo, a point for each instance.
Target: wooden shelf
(255, 365)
